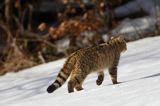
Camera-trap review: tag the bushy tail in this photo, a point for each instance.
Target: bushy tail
(62, 76)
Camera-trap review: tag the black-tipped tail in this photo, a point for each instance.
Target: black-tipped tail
(62, 76)
(51, 88)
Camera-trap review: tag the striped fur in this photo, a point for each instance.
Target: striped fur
(88, 60)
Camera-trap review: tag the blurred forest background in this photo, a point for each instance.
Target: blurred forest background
(38, 31)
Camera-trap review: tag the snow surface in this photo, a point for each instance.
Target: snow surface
(139, 74)
(149, 6)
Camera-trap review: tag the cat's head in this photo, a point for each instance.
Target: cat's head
(120, 41)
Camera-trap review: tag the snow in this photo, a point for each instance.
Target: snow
(134, 29)
(148, 6)
(139, 74)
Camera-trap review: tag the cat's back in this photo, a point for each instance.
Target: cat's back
(90, 52)
(92, 58)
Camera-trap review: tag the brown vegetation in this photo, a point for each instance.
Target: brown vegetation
(24, 48)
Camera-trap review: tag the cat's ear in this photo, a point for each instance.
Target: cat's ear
(112, 37)
(120, 37)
